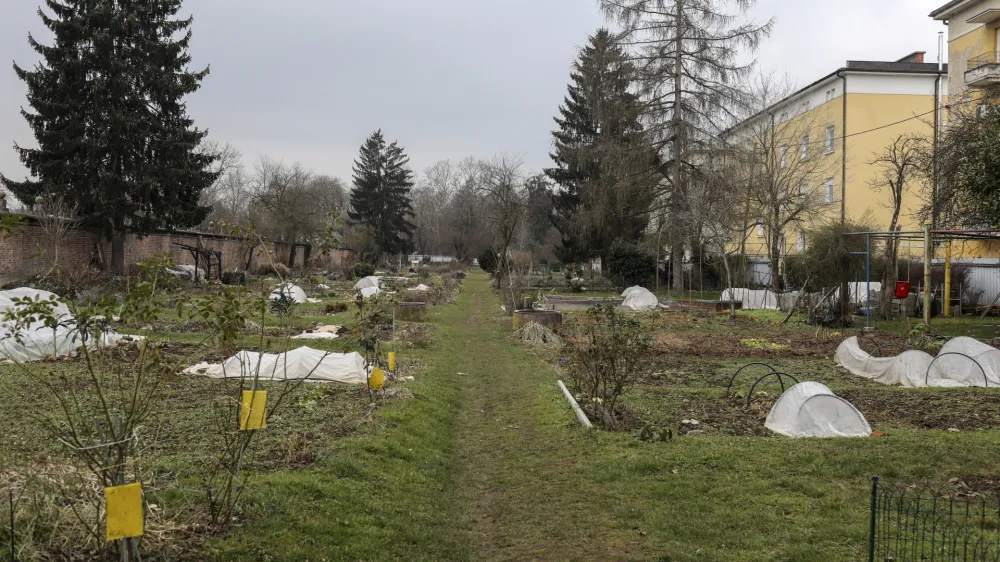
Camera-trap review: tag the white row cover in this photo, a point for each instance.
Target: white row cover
(640, 299)
(290, 289)
(976, 364)
(304, 363)
(751, 299)
(859, 292)
(810, 409)
(36, 341)
(368, 286)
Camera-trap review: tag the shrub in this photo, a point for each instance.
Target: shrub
(279, 269)
(630, 265)
(335, 307)
(607, 361)
(488, 260)
(362, 269)
(283, 304)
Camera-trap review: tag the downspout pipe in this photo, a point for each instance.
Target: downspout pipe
(843, 164)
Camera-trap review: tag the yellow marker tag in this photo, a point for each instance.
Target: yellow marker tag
(124, 506)
(392, 361)
(377, 379)
(253, 410)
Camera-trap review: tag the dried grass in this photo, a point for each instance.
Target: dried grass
(536, 333)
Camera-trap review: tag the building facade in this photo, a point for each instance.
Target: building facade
(973, 43)
(837, 126)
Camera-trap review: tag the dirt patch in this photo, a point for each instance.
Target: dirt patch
(785, 344)
(965, 410)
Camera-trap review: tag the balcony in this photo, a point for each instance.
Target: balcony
(983, 70)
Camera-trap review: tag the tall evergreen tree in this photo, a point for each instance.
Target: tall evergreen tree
(114, 138)
(692, 57)
(380, 198)
(604, 164)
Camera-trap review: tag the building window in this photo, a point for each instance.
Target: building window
(760, 228)
(784, 156)
(805, 147)
(802, 241)
(829, 190)
(831, 138)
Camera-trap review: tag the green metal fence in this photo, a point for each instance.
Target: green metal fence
(913, 523)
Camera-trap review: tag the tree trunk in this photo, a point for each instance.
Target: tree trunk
(677, 247)
(118, 252)
(775, 263)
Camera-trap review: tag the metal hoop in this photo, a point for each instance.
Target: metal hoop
(927, 376)
(780, 380)
(732, 379)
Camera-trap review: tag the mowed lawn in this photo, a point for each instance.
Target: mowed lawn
(488, 463)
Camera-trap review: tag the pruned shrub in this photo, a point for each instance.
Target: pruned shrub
(362, 269)
(630, 265)
(606, 361)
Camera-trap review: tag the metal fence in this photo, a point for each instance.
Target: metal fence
(910, 523)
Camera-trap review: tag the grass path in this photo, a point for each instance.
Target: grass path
(517, 464)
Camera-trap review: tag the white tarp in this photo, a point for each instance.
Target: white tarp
(859, 292)
(368, 286)
(810, 409)
(751, 299)
(34, 342)
(319, 333)
(421, 287)
(640, 299)
(186, 272)
(910, 368)
(304, 363)
(292, 290)
(964, 369)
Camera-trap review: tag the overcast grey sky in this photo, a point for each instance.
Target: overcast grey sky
(308, 80)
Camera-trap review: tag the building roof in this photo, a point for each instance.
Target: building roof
(945, 11)
(858, 67)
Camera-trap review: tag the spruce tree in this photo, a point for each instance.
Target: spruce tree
(380, 198)
(107, 111)
(604, 164)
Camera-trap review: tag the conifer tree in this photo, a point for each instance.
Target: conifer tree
(604, 165)
(380, 198)
(692, 56)
(107, 111)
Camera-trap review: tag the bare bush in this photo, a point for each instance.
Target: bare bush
(609, 358)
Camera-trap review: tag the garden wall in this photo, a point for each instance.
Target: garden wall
(30, 250)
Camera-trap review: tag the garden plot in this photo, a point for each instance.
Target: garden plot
(694, 355)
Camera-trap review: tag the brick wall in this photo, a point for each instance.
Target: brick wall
(31, 250)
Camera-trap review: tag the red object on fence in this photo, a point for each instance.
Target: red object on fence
(902, 289)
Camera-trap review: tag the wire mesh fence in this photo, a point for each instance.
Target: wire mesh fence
(912, 523)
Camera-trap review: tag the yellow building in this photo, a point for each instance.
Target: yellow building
(973, 42)
(833, 128)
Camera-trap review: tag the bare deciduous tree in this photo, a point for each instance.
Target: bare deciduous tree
(898, 165)
(58, 219)
(503, 186)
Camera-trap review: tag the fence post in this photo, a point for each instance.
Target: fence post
(871, 528)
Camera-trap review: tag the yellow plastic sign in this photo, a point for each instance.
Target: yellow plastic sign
(124, 507)
(377, 379)
(253, 410)
(392, 361)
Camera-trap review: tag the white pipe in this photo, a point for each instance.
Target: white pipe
(580, 415)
